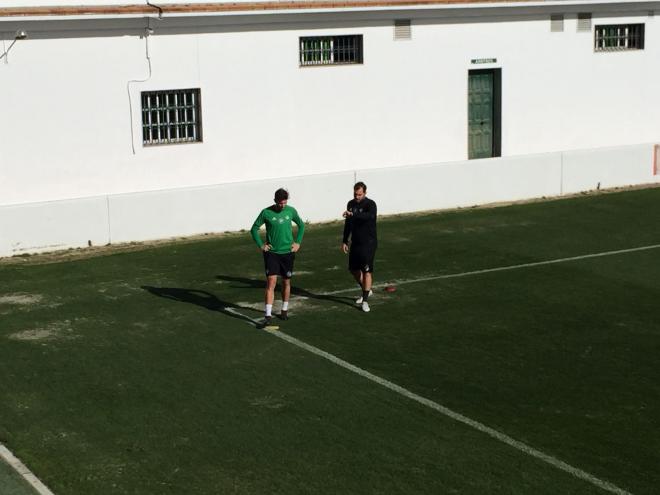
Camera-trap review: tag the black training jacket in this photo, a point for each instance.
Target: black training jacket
(361, 227)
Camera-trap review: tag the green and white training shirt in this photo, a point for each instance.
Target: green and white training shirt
(279, 232)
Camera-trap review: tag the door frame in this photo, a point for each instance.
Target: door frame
(497, 109)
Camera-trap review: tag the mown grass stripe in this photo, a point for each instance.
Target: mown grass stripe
(500, 268)
(553, 461)
(512, 442)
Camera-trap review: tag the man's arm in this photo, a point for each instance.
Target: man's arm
(347, 228)
(369, 212)
(254, 231)
(301, 226)
(301, 231)
(347, 224)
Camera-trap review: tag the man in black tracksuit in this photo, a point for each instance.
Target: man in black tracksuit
(360, 227)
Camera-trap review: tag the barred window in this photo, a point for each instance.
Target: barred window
(619, 37)
(331, 50)
(172, 116)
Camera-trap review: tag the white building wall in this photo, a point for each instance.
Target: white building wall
(65, 131)
(569, 97)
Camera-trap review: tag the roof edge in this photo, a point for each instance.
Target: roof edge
(291, 5)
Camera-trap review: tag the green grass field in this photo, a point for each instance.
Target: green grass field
(142, 372)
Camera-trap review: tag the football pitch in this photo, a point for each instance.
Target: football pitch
(520, 354)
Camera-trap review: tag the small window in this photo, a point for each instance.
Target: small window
(402, 30)
(584, 22)
(170, 117)
(331, 50)
(557, 23)
(617, 37)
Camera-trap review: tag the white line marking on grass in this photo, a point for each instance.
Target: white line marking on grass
(22, 469)
(501, 268)
(553, 461)
(578, 473)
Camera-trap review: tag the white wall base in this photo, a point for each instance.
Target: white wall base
(50, 226)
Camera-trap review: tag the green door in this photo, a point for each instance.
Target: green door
(481, 100)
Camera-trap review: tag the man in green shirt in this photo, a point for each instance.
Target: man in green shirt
(279, 248)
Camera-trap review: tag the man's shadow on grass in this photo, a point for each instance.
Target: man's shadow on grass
(201, 298)
(249, 283)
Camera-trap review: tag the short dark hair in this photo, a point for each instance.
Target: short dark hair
(281, 194)
(360, 185)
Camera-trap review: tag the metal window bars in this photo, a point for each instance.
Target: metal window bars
(331, 50)
(619, 37)
(171, 116)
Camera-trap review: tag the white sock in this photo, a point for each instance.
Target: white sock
(285, 306)
(269, 310)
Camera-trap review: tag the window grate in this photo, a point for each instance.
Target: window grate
(402, 29)
(557, 23)
(172, 116)
(619, 37)
(584, 22)
(331, 50)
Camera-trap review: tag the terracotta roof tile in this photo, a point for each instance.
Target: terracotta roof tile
(191, 8)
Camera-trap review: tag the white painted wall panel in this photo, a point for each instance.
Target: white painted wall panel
(607, 167)
(52, 226)
(466, 183)
(187, 211)
(569, 97)
(228, 207)
(66, 129)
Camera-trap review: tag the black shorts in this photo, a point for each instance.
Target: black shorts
(361, 257)
(279, 264)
